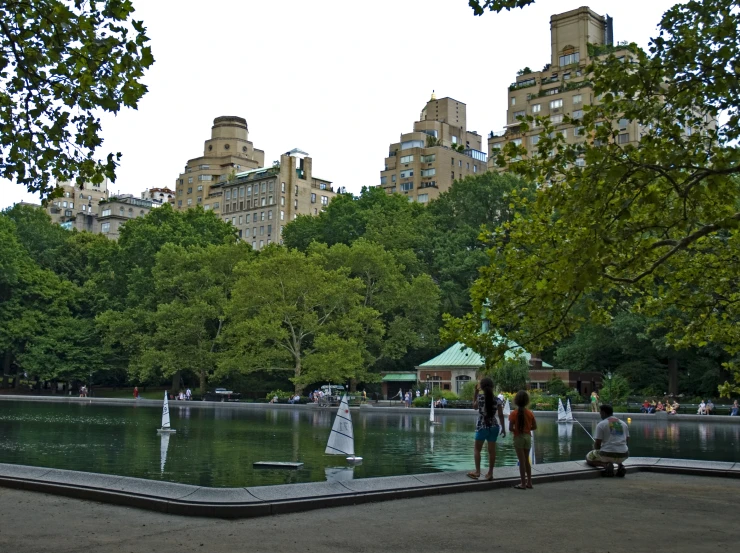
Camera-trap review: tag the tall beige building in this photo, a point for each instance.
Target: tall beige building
(260, 202)
(226, 153)
(562, 86)
(440, 150)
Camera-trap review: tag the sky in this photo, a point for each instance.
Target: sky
(340, 80)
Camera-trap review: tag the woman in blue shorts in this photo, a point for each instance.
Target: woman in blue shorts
(487, 428)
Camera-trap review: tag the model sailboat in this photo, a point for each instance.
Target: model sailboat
(166, 417)
(342, 438)
(432, 419)
(568, 413)
(561, 411)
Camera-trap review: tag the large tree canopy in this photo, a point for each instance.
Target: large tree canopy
(61, 61)
(654, 225)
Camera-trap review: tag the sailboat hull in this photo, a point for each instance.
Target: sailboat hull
(354, 460)
(166, 430)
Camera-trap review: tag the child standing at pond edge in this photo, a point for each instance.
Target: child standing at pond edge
(521, 424)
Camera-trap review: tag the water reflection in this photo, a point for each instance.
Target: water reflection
(216, 447)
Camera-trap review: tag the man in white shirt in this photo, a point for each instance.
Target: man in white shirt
(610, 443)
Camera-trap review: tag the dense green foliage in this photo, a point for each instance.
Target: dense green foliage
(61, 63)
(653, 229)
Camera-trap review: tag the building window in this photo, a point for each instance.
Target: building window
(580, 162)
(623, 138)
(262, 230)
(241, 192)
(555, 119)
(105, 228)
(269, 215)
(282, 200)
(412, 144)
(422, 198)
(406, 186)
(216, 205)
(569, 59)
(199, 199)
(393, 178)
(517, 114)
(190, 180)
(269, 230)
(282, 215)
(577, 99)
(475, 168)
(513, 102)
(254, 245)
(534, 140)
(246, 231)
(264, 187)
(199, 188)
(429, 159)
(428, 172)
(207, 207)
(324, 200)
(204, 167)
(407, 173)
(262, 243)
(272, 186)
(240, 219)
(552, 91)
(295, 204)
(577, 131)
(407, 159)
(536, 108)
(233, 221)
(383, 180)
(205, 177)
(262, 215)
(190, 190)
(577, 114)
(555, 104)
(454, 138)
(105, 213)
(517, 142)
(179, 203)
(282, 187)
(190, 201)
(622, 127)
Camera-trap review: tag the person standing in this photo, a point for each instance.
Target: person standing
(521, 424)
(610, 443)
(188, 394)
(594, 402)
(487, 428)
(136, 392)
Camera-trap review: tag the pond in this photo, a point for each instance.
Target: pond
(217, 446)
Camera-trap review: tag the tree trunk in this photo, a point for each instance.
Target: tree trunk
(176, 382)
(203, 382)
(6, 369)
(352, 385)
(673, 376)
(298, 387)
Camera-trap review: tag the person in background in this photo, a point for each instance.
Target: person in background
(710, 407)
(364, 396)
(487, 428)
(702, 408)
(594, 401)
(659, 407)
(610, 443)
(136, 392)
(418, 393)
(652, 406)
(521, 424)
(645, 407)
(188, 394)
(735, 409)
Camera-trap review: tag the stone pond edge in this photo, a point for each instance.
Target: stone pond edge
(188, 500)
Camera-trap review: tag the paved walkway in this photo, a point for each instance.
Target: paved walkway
(644, 512)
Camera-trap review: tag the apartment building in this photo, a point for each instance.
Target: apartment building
(562, 86)
(260, 202)
(76, 200)
(439, 150)
(159, 196)
(226, 153)
(110, 215)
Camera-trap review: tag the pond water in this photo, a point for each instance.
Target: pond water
(216, 447)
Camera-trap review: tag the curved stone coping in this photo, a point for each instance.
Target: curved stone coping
(365, 408)
(183, 499)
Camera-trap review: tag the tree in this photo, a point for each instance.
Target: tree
(288, 313)
(556, 386)
(61, 63)
(657, 224)
(408, 305)
(511, 375)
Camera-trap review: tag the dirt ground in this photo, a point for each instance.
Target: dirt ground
(642, 512)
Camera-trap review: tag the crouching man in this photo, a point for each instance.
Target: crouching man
(610, 443)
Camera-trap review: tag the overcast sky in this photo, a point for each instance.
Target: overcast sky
(340, 80)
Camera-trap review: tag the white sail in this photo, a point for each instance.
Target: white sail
(561, 411)
(166, 413)
(568, 413)
(342, 438)
(431, 412)
(164, 444)
(507, 409)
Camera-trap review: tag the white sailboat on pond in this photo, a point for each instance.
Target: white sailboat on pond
(166, 417)
(432, 418)
(568, 413)
(561, 411)
(342, 437)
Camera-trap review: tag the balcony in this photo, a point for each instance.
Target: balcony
(476, 154)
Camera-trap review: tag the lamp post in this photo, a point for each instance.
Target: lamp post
(609, 378)
(427, 388)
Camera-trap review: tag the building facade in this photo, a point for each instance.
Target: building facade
(75, 200)
(261, 201)
(562, 86)
(159, 196)
(440, 150)
(110, 216)
(226, 153)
